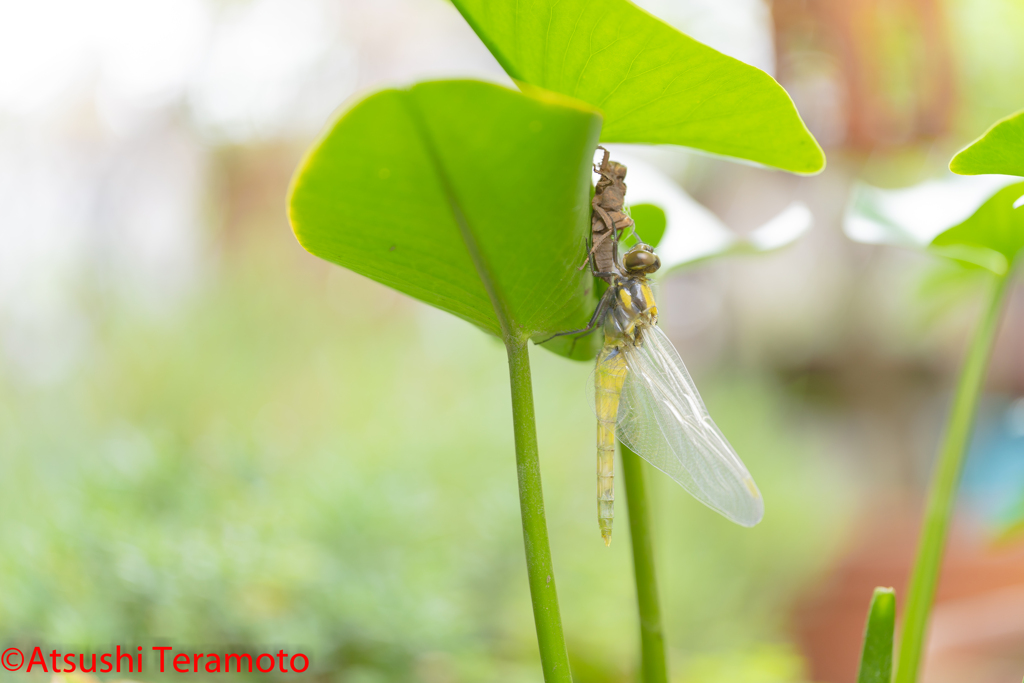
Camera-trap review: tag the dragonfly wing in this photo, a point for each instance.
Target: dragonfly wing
(663, 419)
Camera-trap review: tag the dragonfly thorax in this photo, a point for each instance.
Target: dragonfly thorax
(631, 309)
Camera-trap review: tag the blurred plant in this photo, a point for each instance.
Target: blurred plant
(999, 150)
(989, 243)
(992, 239)
(876, 657)
(474, 198)
(81, 678)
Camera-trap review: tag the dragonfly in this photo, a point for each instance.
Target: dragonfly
(645, 396)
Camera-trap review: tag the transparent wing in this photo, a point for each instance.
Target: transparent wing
(663, 419)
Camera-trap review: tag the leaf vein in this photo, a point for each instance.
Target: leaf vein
(628, 72)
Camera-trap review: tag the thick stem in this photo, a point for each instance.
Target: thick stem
(652, 638)
(943, 487)
(553, 654)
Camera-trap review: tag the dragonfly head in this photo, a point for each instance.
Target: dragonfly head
(641, 259)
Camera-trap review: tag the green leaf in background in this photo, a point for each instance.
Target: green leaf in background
(653, 84)
(1000, 150)
(876, 658)
(650, 221)
(992, 237)
(779, 232)
(692, 233)
(465, 195)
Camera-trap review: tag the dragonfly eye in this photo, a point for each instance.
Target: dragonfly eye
(640, 260)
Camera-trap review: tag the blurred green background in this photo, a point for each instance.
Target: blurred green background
(309, 459)
(210, 438)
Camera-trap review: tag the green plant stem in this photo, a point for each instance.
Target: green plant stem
(943, 487)
(553, 654)
(652, 639)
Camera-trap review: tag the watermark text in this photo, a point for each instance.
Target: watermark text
(161, 659)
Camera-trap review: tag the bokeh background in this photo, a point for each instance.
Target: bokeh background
(208, 437)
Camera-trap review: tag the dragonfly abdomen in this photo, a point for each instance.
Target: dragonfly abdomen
(608, 380)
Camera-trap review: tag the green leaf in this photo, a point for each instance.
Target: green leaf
(1000, 150)
(779, 232)
(653, 84)
(993, 236)
(465, 195)
(974, 257)
(876, 658)
(914, 216)
(650, 223)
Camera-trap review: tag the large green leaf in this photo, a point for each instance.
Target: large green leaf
(876, 657)
(999, 150)
(653, 84)
(992, 237)
(468, 196)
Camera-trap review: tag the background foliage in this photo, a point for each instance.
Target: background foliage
(227, 475)
(180, 384)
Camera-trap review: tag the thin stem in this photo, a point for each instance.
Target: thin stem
(652, 639)
(942, 490)
(553, 654)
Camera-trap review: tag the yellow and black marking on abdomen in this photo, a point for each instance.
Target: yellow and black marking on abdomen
(608, 379)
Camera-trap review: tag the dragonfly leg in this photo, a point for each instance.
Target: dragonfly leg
(583, 332)
(595, 321)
